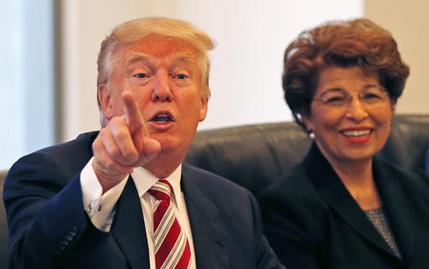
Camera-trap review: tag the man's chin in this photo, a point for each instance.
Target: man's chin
(172, 141)
(168, 144)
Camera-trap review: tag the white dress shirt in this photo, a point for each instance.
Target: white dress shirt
(101, 208)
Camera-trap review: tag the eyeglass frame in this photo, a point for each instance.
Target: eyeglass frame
(349, 97)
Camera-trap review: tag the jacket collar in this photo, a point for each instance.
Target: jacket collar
(209, 238)
(388, 182)
(128, 228)
(334, 192)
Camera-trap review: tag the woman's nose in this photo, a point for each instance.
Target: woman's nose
(356, 109)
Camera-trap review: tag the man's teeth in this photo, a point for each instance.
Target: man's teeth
(357, 132)
(162, 117)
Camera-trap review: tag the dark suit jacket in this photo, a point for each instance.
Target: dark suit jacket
(50, 229)
(312, 221)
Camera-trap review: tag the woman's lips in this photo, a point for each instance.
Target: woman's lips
(358, 136)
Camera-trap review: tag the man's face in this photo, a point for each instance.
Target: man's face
(164, 76)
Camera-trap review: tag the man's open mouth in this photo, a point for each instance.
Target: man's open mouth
(163, 117)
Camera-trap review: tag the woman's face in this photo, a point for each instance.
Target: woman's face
(350, 115)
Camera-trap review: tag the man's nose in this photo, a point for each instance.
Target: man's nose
(161, 91)
(356, 109)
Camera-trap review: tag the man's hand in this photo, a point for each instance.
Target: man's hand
(122, 145)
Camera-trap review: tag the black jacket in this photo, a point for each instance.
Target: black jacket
(50, 229)
(312, 221)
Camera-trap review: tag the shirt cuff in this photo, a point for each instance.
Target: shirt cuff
(100, 208)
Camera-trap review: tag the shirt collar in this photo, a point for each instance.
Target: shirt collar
(144, 180)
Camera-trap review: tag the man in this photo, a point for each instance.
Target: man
(121, 197)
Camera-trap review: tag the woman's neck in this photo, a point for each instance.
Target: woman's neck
(358, 178)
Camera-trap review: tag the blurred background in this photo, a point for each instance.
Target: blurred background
(48, 52)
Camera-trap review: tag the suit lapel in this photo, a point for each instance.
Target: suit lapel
(333, 191)
(128, 227)
(395, 206)
(207, 235)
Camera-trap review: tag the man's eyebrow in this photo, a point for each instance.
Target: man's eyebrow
(178, 58)
(136, 58)
(184, 58)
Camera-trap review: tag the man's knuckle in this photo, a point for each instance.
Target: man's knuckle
(122, 133)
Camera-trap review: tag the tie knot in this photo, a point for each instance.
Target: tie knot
(161, 190)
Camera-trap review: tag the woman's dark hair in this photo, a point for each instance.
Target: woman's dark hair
(358, 42)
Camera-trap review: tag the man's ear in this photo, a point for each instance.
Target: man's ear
(104, 101)
(204, 108)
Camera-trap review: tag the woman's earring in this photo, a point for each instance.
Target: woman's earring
(311, 133)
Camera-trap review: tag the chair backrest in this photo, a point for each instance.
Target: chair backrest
(255, 155)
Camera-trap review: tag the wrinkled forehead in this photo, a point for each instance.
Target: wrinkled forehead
(155, 50)
(158, 46)
(178, 58)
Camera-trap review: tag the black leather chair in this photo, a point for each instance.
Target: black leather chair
(254, 155)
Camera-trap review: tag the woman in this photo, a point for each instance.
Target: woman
(341, 207)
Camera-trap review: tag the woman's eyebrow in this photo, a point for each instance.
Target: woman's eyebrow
(333, 89)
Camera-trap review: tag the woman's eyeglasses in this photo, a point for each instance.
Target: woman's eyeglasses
(373, 97)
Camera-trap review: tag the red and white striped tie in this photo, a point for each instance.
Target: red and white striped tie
(170, 241)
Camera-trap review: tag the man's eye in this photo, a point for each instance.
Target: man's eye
(181, 76)
(141, 75)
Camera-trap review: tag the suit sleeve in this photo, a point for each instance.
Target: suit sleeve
(45, 213)
(266, 258)
(291, 231)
